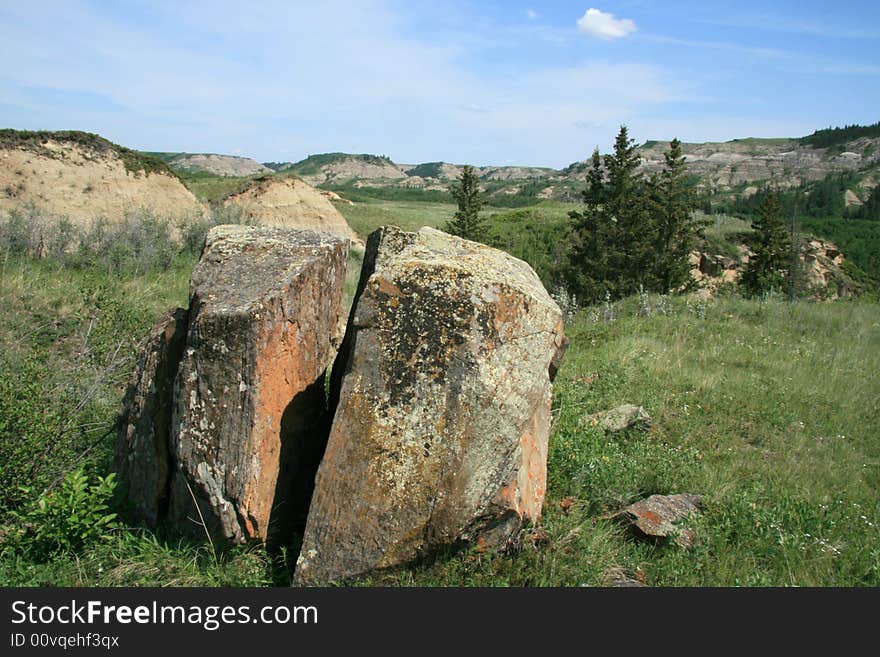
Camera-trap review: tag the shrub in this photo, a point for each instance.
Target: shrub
(73, 516)
(193, 232)
(140, 242)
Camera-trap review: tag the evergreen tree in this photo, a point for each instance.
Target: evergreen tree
(466, 222)
(771, 247)
(871, 208)
(677, 228)
(796, 283)
(614, 235)
(588, 268)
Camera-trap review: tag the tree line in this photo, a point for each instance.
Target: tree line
(823, 198)
(833, 136)
(635, 232)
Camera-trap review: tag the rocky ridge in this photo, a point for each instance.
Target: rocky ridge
(219, 165)
(721, 166)
(823, 270)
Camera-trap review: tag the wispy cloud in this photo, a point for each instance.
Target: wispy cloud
(851, 69)
(532, 15)
(602, 25)
(759, 51)
(781, 23)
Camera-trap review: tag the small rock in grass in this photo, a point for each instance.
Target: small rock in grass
(621, 418)
(655, 517)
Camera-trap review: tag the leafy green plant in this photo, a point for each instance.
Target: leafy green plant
(74, 515)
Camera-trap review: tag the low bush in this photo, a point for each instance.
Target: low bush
(73, 516)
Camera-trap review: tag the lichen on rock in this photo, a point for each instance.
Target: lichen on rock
(246, 423)
(442, 393)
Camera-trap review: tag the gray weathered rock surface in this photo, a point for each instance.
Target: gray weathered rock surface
(144, 429)
(443, 386)
(244, 429)
(621, 418)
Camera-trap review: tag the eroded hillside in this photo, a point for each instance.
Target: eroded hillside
(83, 176)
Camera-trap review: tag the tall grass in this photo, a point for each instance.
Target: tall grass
(766, 408)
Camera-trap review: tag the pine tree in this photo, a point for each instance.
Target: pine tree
(631, 203)
(466, 222)
(588, 269)
(613, 236)
(871, 208)
(771, 247)
(677, 228)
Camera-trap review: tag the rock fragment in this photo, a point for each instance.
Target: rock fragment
(656, 517)
(621, 418)
(141, 458)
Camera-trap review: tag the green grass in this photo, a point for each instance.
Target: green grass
(211, 188)
(367, 215)
(757, 141)
(769, 410)
(723, 234)
(538, 235)
(365, 194)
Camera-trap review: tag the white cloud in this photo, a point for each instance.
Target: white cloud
(603, 25)
(532, 15)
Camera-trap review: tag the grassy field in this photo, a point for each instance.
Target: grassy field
(770, 410)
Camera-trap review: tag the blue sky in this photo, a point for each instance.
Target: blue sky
(503, 82)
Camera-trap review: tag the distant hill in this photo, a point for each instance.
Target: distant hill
(736, 167)
(341, 168)
(218, 165)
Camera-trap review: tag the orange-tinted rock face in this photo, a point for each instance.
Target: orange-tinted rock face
(248, 399)
(442, 423)
(247, 419)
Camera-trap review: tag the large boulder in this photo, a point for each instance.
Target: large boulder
(246, 424)
(442, 391)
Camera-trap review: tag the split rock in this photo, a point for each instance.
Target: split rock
(227, 409)
(441, 428)
(248, 400)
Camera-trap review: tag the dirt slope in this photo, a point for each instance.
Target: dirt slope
(83, 178)
(293, 203)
